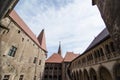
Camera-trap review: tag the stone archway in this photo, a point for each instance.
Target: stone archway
(116, 70)
(74, 76)
(104, 74)
(86, 76)
(80, 75)
(93, 75)
(77, 75)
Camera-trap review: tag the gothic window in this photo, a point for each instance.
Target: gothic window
(21, 77)
(12, 51)
(6, 77)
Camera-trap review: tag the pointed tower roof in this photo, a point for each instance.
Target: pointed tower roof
(42, 40)
(59, 49)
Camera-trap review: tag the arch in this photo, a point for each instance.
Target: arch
(69, 73)
(77, 75)
(86, 76)
(93, 74)
(74, 76)
(104, 74)
(116, 71)
(80, 75)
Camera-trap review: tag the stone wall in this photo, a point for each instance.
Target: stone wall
(22, 62)
(96, 64)
(110, 12)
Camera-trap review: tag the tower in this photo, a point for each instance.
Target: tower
(59, 49)
(42, 40)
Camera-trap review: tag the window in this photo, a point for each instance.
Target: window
(101, 52)
(46, 76)
(59, 68)
(34, 77)
(35, 60)
(21, 77)
(55, 68)
(12, 51)
(39, 62)
(22, 39)
(95, 55)
(107, 49)
(46, 68)
(18, 31)
(112, 46)
(6, 77)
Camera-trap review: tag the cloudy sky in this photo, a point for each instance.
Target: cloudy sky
(73, 22)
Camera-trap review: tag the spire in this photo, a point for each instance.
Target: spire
(42, 40)
(59, 49)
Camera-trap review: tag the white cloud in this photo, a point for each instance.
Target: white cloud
(75, 24)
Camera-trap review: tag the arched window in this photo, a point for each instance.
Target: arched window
(107, 49)
(101, 52)
(112, 47)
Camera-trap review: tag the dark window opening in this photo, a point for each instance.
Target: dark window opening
(22, 39)
(35, 60)
(6, 77)
(107, 49)
(21, 77)
(39, 62)
(101, 52)
(18, 31)
(112, 46)
(12, 51)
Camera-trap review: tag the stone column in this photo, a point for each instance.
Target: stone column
(6, 6)
(110, 12)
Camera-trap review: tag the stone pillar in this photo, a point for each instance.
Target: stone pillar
(110, 12)
(6, 6)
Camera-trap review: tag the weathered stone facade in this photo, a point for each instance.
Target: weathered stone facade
(100, 61)
(53, 71)
(110, 12)
(21, 57)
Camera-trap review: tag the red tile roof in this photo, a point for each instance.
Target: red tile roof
(14, 16)
(55, 58)
(70, 56)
